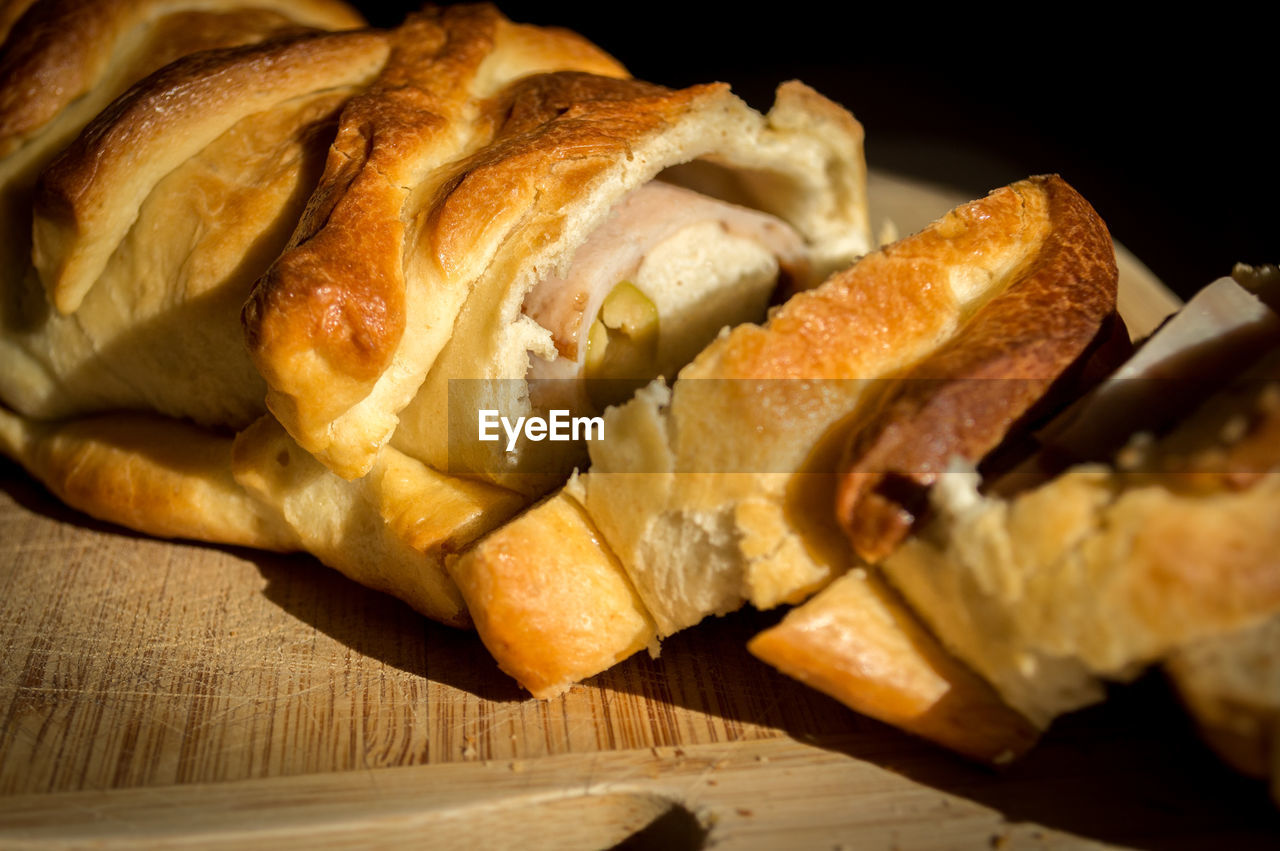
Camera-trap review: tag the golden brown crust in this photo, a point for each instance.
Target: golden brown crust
(966, 396)
(856, 642)
(152, 474)
(597, 118)
(833, 345)
(325, 323)
(88, 197)
(559, 617)
(352, 231)
(901, 298)
(58, 49)
(390, 530)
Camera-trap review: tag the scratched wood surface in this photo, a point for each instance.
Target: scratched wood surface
(129, 661)
(134, 664)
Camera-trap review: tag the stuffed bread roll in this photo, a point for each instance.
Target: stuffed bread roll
(151, 233)
(718, 490)
(157, 226)
(466, 268)
(688, 264)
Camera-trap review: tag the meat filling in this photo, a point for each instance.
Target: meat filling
(651, 287)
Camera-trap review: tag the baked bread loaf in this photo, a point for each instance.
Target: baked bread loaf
(717, 491)
(358, 206)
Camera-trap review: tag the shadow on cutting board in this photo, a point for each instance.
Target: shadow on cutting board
(370, 623)
(381, 627)
(1130, 771)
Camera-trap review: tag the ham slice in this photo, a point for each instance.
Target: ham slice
(651, 216)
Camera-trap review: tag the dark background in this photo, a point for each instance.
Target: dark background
(1164, 124)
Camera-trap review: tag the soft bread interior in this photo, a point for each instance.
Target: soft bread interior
(704, 474)
(694, 265)
(720, 488)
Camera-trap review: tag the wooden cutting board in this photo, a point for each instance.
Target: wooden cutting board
(154, 693)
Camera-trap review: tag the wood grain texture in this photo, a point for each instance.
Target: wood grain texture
(133, 664)
(130, 661)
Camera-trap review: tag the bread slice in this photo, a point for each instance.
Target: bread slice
(965, 398)
(1055, 580)
(1104, 569)
(728, 471)
(550, 600)
(858, 642)
(719, 489)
